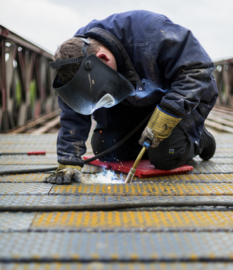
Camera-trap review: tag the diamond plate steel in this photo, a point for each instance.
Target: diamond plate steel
(214, 160)
(224, 152)
(180, 208)
(27, 160)
(117, 266)
(155, 189)
(29, 147)
(92, 200)
(23, 178)
(16, 221)
(193, 178)
(16, 188)
(27, 138)
(212, 168)
(25, 142)
(116, 246)
(134, 221)
(223, 155)
(5, 168)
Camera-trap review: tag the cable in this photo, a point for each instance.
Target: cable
(109, 150)
(108, 206)
(35, 170)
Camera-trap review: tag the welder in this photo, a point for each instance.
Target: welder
(122, 69)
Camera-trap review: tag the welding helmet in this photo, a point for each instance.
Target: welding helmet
(95, 84)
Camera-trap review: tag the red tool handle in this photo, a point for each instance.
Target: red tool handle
(36, 153)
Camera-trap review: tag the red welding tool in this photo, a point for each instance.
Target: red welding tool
(25, 153)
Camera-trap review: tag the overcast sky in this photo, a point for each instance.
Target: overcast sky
(48, 23)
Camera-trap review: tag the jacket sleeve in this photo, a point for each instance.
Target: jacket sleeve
(72, 136)
(184, 64)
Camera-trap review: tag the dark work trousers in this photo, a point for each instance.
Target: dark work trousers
(172, 152)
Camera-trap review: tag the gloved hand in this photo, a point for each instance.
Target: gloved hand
(64, 175)
(159, 127)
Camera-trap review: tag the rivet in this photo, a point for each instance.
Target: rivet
(88, 65)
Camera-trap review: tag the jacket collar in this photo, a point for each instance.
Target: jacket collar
(129, 71)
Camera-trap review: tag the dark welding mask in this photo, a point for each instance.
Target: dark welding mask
(95, 84)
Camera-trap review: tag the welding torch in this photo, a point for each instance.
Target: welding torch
(146, 144)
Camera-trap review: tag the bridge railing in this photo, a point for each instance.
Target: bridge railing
(25, 81)
(223, 74)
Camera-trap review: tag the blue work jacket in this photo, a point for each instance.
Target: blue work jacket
(167, 65)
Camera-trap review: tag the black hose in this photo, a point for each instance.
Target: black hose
(35, 170)
(109, 150)
(102, 154)
(108, 206)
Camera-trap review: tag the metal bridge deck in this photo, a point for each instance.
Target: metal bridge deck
(183, 222)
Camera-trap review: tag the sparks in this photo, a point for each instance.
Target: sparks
(106, 176)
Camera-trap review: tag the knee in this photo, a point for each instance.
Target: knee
(164, 161)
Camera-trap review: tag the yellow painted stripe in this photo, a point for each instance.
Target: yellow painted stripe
(131, 220)
(94, 169)
(162, 189)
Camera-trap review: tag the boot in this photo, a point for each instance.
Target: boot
(209, 145)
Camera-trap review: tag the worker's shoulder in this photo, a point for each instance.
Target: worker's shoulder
(139, 16)
(129, 18)
(130, 23)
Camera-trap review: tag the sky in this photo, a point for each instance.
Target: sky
(48, 23)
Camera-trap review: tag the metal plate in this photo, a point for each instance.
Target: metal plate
(92, 200)
(133, 221)
(117, 266)
(212, 168)
(4, 168)
(214, 160)
(130, 221)
(16, 221)
(39, 177)
(116, 246)
(27, 160)
(16, 188)
(23, 178)
(24, 138)
(155, 189)
(25, 142)
(192, 178)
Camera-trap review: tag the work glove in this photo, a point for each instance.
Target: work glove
(64, 175)
(159, 127)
